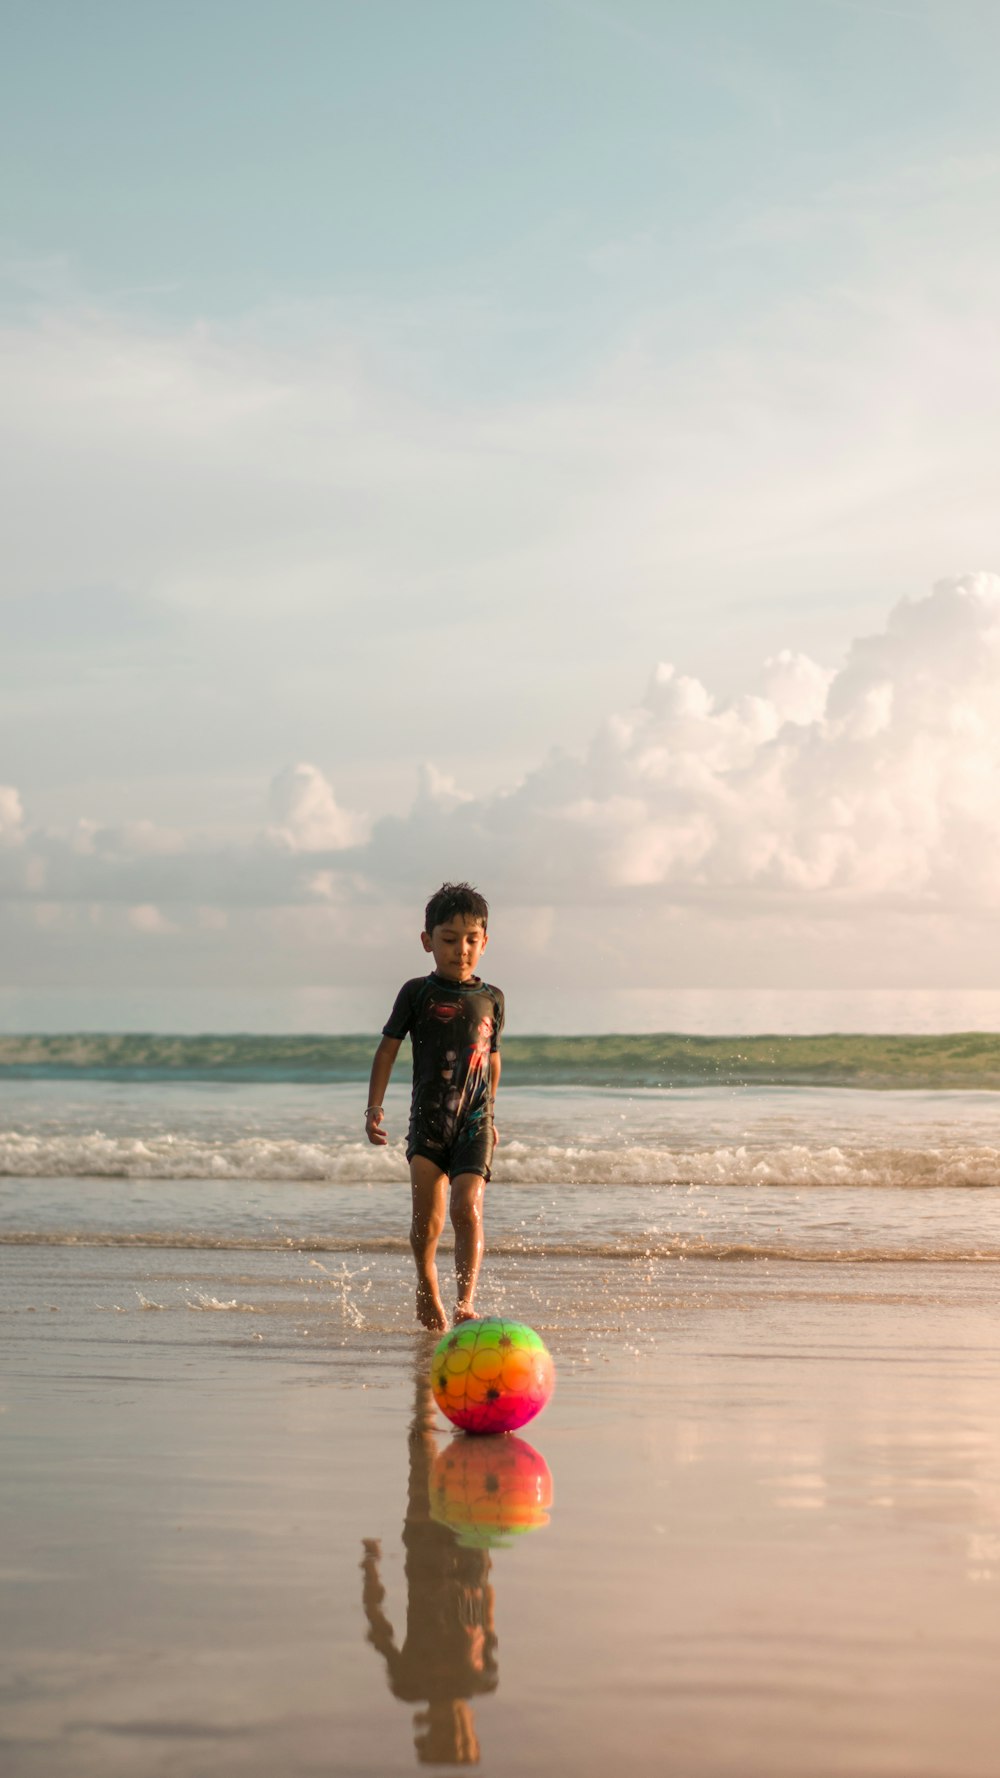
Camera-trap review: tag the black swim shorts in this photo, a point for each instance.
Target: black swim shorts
(469, 1151)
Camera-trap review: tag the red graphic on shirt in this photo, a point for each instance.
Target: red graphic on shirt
(445, 1010)
(480, 1048)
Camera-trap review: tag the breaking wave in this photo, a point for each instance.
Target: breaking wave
(96, 1155)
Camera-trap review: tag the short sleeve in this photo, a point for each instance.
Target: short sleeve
(400, 1020)
(498, 1002)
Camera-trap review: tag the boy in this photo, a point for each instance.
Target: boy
(454, 1020)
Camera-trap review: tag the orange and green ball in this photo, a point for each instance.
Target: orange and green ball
(491, 1375)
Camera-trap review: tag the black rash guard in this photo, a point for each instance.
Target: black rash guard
(454, 1028)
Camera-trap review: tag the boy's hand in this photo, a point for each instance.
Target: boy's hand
(373, 1130)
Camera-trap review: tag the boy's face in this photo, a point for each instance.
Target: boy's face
(456, 946)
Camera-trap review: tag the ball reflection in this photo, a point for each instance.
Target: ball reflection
(490, 1490)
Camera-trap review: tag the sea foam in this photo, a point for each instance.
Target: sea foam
(97, 1155)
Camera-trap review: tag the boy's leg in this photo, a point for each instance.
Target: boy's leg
(467, 1220)
(427, 1186)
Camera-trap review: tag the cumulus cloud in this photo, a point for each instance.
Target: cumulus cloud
(306, 813)
(870, 788)
(11, 814)
(877, 780)
(148, 918)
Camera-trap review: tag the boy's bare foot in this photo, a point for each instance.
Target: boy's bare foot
(430, 1308)
(464, 1312)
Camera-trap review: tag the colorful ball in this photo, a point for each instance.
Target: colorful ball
(489, 1491)
(491, 1375)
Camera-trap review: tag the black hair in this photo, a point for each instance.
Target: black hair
(455, 898)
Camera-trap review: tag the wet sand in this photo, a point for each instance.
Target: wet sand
(773, 1545)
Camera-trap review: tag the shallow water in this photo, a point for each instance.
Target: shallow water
(809, 1174)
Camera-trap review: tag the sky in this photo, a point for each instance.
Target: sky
(554, 444)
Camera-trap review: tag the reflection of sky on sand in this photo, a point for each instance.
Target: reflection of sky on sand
(867, 1459)
(471, 1497)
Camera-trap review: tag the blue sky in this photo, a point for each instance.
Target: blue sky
(393, 386)
(546, 173)
(207, 159)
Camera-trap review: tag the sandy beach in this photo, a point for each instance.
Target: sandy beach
(773, 1544)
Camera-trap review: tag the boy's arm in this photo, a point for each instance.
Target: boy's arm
(372, 1594)
(385, 1056)
(494, 1083)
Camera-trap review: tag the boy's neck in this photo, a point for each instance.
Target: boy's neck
(454, 981)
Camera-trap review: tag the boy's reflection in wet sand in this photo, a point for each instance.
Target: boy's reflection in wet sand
(449, 1654)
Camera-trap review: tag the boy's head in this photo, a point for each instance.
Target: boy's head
(455, 930)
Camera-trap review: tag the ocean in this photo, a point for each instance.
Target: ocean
(645, 1147)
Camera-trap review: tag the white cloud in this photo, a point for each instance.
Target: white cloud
(876, 781)
(306, 814)
(438, 790)
(149, 919)
(11, 814)
(869, 786)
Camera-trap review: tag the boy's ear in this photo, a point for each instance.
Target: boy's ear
(425, 940)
